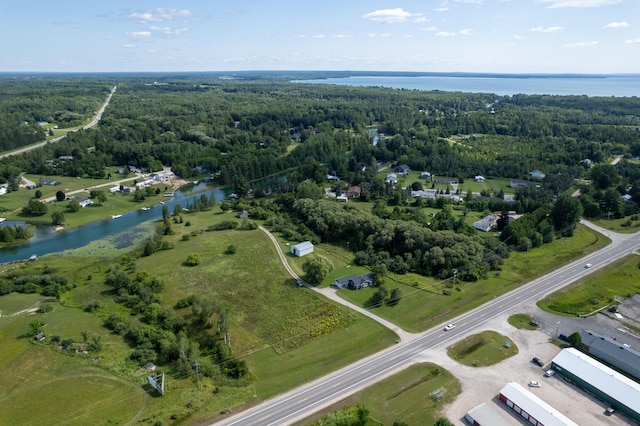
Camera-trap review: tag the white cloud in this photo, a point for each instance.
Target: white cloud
(554, 4)
(519, 37)
(445, 34)
(546, 29)
(169, 30)
(319, 36)
(159, 15)
(470, 1)
(421, 19)
(128, 46)
(616, 24)
(466, 31)
(429, 29)
(636, 41)
(441, 9)
(139, 34)
(342, 36)
(582, 44)
(390, 16)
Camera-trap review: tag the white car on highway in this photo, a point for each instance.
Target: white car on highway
(449, 327)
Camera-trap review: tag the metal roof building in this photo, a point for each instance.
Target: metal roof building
(614, 353)
(606, 384)
(302, 248)
(531, 408)
(483, 415)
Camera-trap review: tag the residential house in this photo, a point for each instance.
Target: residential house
(392, 178)
(353, 191)
(486, 223)
(49, 182)
(447, 180)
(114, 189)
(479, 178)
(425, 175)
(84, 201)
(65, 158)
(333, 177)
(537, 174)
(402, 169)
(355, 282)
(302, 249)
(425, 194)
(626, 197)
(519, 183)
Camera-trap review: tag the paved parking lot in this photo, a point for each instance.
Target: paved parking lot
(483, 384)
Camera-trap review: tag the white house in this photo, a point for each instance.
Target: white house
(425, 175)
(626, 197)
(302, 249)
(114, 189)
(392, 178)
(479, 178)
(84, 201)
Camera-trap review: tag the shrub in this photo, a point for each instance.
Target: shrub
(193, 259)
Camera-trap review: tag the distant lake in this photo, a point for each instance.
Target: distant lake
(504, 85)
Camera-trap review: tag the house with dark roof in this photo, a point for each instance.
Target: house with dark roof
(447, 180)
(519, 183)
(353, 191)
(84, 201)
(355, 282)
(402, 169)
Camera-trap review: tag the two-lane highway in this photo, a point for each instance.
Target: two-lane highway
(307, 399)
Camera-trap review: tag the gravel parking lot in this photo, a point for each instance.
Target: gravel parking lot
(483, 384)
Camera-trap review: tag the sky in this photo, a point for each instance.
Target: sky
(497, 36)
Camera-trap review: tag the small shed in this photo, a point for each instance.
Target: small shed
(302, 249)
(39, 337)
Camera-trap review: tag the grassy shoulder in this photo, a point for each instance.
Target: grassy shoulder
(482, 349)
(425, 305)
(405, 396)
(597, 291)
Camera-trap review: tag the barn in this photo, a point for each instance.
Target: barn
(302, 249)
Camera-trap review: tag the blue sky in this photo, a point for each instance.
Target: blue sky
(509, 36)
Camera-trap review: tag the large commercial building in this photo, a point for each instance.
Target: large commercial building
(606, 384)
(612, 352)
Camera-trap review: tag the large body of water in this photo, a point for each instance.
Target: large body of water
(504, 85)
(46, 240)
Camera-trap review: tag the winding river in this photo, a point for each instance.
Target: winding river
(45, 240)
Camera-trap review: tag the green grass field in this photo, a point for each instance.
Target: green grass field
(405, 396)
(482, 349)
(621, 278)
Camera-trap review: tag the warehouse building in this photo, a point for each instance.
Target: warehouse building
(606, 384)
(531, 408)
(483, 415)
(614, 353)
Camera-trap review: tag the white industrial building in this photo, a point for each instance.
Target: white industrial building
(606, 384)
(531, 408)
(483, 415)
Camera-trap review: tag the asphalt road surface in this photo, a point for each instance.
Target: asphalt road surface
(309, 398)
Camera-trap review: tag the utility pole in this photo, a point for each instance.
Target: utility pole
(455, 272)
(197, 366)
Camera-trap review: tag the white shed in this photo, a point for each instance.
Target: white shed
(302, 249)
